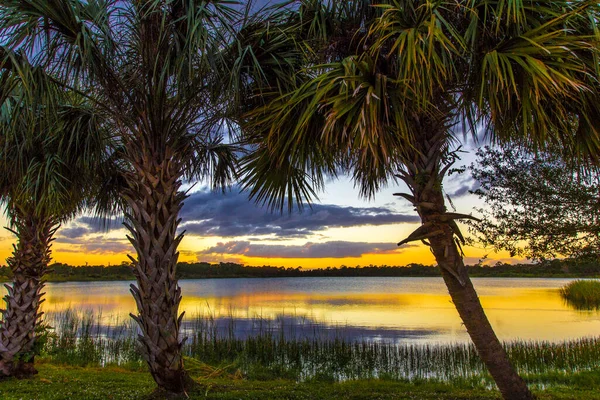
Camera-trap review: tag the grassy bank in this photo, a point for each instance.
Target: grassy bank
(84, 357)
(274, 350)
(56, 381)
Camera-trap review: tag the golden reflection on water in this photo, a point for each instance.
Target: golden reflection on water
(528, 309)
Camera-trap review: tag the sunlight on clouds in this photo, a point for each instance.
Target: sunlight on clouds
(392, 233)
(81, 241)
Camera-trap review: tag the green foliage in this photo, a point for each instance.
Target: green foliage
(381, 85)
(53, 151)
(57, 381)
(43, 335)
(156, 75)
(582, 294)
(536, 205)
(62, 382)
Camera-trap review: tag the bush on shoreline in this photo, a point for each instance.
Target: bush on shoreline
(582, 294)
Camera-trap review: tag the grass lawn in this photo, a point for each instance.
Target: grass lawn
(67, 382)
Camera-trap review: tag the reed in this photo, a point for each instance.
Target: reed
(303, 351)
(582, 294)
(84, 339)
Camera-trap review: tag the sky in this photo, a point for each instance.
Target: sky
(339, 229)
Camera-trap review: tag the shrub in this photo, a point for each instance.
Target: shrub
(582, 294)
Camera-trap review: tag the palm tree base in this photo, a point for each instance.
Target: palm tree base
(184, 385)
(19, 369)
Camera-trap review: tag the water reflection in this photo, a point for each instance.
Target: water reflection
(395, 309)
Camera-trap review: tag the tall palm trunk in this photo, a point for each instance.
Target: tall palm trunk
(154, 199)
(28, 264)
(424, 177)
(467, 303)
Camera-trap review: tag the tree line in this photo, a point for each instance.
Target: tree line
(60, 272)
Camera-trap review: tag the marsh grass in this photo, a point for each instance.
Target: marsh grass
(84, 339)
(582, 294)
(285, 348)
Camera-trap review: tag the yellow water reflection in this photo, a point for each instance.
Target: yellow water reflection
(528, 309)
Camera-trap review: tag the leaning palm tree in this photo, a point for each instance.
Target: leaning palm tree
(154, 70)
(385, 91)
(51, 152)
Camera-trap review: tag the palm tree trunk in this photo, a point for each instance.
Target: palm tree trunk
(463, 294)
(154, 200)
(28, 264)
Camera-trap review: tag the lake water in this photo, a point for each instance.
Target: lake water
(416, 310)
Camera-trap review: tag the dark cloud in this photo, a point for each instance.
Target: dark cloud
(107, 246)
(461, 186)
(461, 191)
(208, 213)
(99, 225)
(95, 245)
(69, 240)
(232, 215)
(74, 232)
(84, 225)
(332, 249)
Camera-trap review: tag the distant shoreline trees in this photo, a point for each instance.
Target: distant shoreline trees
(204, 270)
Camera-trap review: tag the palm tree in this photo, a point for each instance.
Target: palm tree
(50, 156)
(156, 72)
(386, 90)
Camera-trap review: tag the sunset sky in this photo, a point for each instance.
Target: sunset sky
(340, 229)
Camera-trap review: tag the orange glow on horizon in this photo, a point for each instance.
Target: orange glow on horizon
(420, 255)
(74, 254)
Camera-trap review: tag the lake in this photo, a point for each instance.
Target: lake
(415, 310)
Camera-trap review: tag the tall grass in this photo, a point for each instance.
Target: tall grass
(273, 350)
(84, 339)
(582, 294)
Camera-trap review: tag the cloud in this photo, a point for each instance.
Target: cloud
(74, 232)
(95, 245)
(232, 214)
(107, 246)
(332, 249)
(99, 225)
(461, 191)
(461, 185)
(85, 225)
